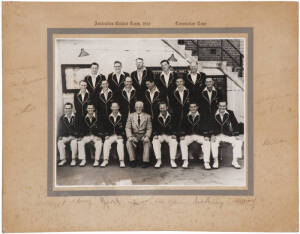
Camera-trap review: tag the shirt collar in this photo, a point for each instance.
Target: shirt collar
(218, 112)
(72, 115)
(197, 113)
(213, 89)
(144, 68)
(155, 90)
(162, 73)
(160, 115)
(119, 114)
(98, 74)
(132, 88)
(122, 73)
(86, 91)
(109, 90)
(87, 115)
(184, 88)
(195, 74)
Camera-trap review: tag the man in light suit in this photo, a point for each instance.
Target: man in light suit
(138, 129)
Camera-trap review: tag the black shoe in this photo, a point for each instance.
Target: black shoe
(132, 164)
(146, 164)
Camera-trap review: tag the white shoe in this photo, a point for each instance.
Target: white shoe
(207, 166)
(62, 162)
(236, 165)
(158, 164)
(104, 163)
(82, 163)
(96, 163)
(173, 164)
(122, 164)
(216, 164)
(185, 164)
(73, 163)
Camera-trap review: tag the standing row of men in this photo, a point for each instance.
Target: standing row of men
(164, 108)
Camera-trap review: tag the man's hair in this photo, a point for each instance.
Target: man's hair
(222, 100)
(128, 77)
(179, 77)
(164, 61)
(149, 79)
(94, 63)
(194, 102)
(209, 78)
(163, 103)
(82, 81)
(139, 101)
(117, 62)
(139, 59)
(90, 104)
(194, 62)
(114, 101)
(103, 81)
(69, 103)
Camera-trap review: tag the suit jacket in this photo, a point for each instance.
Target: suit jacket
(103, 105)
(81, 105)
(160, 127)
(152, 107)
(127, 106)
(198, 126)
(180, 109)
(93, 127)
(94, 90)
(66, 128)
(162, 86)
(114, 85)
(133, 128)
(229, 126)
(206, 107)
(115, 127)
(196, 88)
(140, 88)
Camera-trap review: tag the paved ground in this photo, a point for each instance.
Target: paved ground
(113, 175)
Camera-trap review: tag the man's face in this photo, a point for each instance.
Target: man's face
(179, 82)
(209, 83)
(139, 64)
(104, 84)
(68, 109)
(193, 108)
(163, 109)
(165, 66)
(115, 107)
(118, 67)
(149, 84)
(194, 67)
(128, 82)
(139, 107)
(222, 107)
(83, 86)
(94, 69)
(90, 109)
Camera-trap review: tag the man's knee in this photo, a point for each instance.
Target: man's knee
(60, 143)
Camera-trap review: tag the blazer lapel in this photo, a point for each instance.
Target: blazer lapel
(89, 80)
(177, 96)
(101, 96)
(109, 96)
(162, 78)
(168, 120)
(124, 94)
(205, 95)
(214, 95)
(171, 77)
(156, 96)
(98, 80)
(132, 94)
(185, 95)
(142, 119)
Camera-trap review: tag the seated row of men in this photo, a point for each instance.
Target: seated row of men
(139, 127)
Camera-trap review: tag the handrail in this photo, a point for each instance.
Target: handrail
(233, 59)
(235, 47)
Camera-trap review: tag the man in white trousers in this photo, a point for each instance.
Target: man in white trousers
(225, 129)
(90, 132)
(67, 132)
(194, 128)
(114, 132)
(164, 131)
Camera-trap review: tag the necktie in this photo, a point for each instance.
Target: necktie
(139, 120)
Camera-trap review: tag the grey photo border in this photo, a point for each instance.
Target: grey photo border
(51, 31)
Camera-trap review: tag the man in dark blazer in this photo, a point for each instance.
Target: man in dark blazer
(195, 128)
(67, 133)
(81, 99)
(139, 77)
(93, 80)
(128, 98)
(90, 131)
(164, 131)
(225, 128)
(179, 102)
(152, 97)
(116, 79)
(195, 80)
(166, 80)
(114, 132)
(104, 100)
(209, 98)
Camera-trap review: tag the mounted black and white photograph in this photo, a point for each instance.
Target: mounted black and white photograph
(150, 111)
